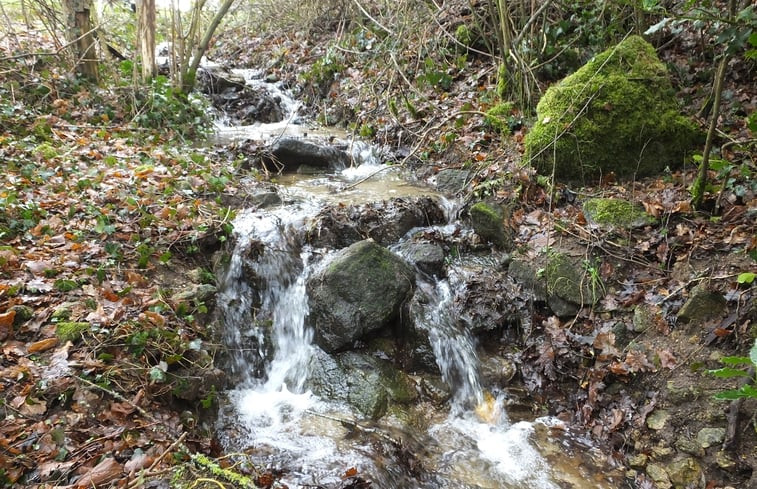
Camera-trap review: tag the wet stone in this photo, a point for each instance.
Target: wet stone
(708, 437)
(687, 445)
(656, 421)
(452, 181)
(686, 473)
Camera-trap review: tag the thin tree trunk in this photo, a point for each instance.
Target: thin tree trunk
(189, 77)
(700, 184)
(79, 31)
(146, 37)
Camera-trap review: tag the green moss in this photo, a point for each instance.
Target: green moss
(499, 117)
(487, 221)
(463, 35)
(616, 213)
(46, 150)
(502, 81)
(71, 330)
(617, 113)
(567, 282)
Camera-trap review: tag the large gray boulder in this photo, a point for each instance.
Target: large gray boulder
(364, 382)
(360, 290)
(292, 153)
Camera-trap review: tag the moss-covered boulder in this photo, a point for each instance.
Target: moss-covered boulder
(618, 113)
(488, 221)
(360, 290)
(570, 283)
(615, 214)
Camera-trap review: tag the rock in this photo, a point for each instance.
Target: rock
(556, 280)
(427, 257)
(708, 437)
(638, 461)
(615, 213)
(617, 114)
(194, 384)
(488, 221)
(266, 199)
(567, 282)
(290, 153)
(217, 80)
(657, 473)
(687, 445)
(646, 316)
(656, 421)
(360, 290)
(686, 473)
(362, 381)
(679, 394)
(384, 222)
(195, 294)
(702, 305)
(435, 389)
(497, 370)
(452, 182)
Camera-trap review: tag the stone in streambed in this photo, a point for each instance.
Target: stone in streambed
(360, 290)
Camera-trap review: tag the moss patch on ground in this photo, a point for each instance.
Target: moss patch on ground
(616, 213)
(618, 113)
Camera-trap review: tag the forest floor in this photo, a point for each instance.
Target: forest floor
(108, 234)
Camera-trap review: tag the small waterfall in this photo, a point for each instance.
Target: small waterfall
(263, 293)
(271, 415)
(453, 346)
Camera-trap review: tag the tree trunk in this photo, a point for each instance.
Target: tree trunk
(189, 72)
(79, 33)
(700, 183)
(146, 37)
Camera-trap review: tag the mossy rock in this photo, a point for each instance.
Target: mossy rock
(568, 282)
(488, 221)
(617, 113)
(616, 213)
(71, 330)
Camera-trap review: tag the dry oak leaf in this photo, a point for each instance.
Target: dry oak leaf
(42, 345)
(107, 470)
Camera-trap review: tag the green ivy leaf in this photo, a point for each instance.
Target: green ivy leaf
(746, 277)
(728, 373)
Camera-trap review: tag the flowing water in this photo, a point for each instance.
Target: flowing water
(469, 442)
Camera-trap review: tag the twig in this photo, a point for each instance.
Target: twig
(119, 397)
(389, 31)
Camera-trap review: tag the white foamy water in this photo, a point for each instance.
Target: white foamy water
(469, 443)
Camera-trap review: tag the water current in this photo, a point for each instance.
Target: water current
(467, 442)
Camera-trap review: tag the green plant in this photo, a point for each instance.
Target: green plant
(738, 367)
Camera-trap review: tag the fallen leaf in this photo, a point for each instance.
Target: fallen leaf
(42, 345)
(667, 360)
(107, 470)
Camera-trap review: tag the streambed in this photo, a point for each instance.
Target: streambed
(451, 428)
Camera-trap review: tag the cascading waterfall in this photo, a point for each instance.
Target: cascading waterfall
(263, 301)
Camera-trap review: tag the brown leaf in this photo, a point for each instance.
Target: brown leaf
(42, 345)
(138, 461)
(6, 324)
(637, 362)
(667, 360)
(107, 470)
(605, 341)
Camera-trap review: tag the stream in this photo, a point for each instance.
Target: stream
(461, 438)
